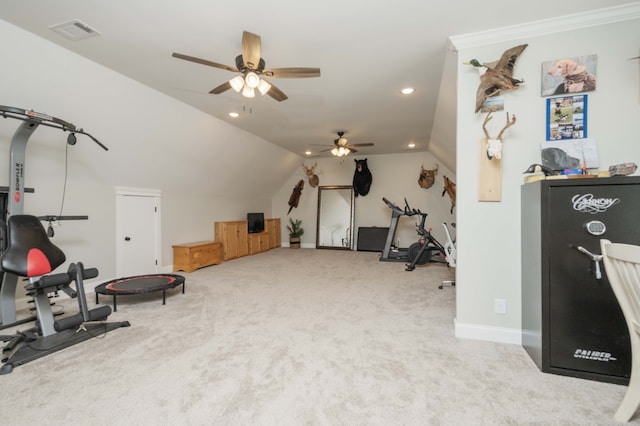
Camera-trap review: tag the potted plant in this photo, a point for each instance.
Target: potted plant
(295, 232)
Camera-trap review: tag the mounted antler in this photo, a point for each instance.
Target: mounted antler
(310, 172)
(494, 145)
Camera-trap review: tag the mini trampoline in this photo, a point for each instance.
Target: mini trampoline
(140, 284)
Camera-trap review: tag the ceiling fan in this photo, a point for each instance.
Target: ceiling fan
(252, 67)
(343, 147)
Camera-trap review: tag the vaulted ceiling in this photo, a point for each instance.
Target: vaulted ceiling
(366, 51)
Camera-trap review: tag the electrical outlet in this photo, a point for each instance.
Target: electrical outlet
(500, 306)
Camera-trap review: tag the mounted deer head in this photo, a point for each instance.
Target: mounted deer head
(427, 177)
(494, 145)
(311, 174)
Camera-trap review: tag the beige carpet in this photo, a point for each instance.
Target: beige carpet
(298, 337)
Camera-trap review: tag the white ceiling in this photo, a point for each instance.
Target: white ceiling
(366, 51)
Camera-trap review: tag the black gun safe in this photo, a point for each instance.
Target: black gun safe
(572, 324)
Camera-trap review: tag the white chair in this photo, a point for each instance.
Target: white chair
(622, 264)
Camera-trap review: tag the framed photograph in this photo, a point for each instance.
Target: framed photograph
(570, 154)
(567, 117)
(569, 75)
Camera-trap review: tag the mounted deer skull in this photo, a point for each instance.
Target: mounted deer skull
(494, 145)
(427, 177)
(311, 174)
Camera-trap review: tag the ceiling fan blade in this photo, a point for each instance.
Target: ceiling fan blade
(292, 72)
(277, 94)
(359, 144)
(220, 89)
(251, 46)
(352, 150)
(203, 62)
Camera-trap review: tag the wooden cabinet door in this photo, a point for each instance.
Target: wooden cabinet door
(226, 234)
(273, 229)
(242, 241)
(232, 240)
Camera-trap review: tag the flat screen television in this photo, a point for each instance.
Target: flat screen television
(256, 222)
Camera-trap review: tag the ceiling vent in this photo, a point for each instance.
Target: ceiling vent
(75, 30)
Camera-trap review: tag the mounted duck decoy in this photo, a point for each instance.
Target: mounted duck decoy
(539, 168)
(498, 75)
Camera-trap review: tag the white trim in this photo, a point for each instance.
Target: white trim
(138, 192)
(302, 245)
(548, 26)
(488, 333)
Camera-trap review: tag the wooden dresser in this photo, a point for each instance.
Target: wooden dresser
(191, 256)
(237, 242)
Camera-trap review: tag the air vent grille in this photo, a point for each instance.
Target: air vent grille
(75, 30)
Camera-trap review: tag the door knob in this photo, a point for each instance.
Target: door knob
(127, 238)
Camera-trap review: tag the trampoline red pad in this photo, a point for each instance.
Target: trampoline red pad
(140, 284)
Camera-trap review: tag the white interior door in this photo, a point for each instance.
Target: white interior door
(137, 233)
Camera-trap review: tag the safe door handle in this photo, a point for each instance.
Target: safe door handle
(596, 260)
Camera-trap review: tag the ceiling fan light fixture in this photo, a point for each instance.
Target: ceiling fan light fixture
(263, 86)
(248, 92)
(237, 83)
(252, 80)
(340, 151)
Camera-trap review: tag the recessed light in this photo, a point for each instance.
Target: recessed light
(412, 145)
(234, 114)
(408, 90)
(308, 152)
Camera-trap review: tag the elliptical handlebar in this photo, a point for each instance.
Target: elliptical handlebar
(47, 120)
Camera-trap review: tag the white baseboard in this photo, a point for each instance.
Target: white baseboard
(488, 333)
(302, 245)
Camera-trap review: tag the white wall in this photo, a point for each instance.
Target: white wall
(394, 177)
(489, 232)
(206, 169)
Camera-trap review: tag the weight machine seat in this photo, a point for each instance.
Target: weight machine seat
(29, 252)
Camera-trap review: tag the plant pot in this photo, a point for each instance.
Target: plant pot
(294, 242)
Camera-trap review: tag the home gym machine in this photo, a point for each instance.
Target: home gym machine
(28, 253)
(426, 249)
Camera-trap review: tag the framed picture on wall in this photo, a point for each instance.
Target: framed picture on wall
(570, 154)
(567, 117)
(569, 75)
